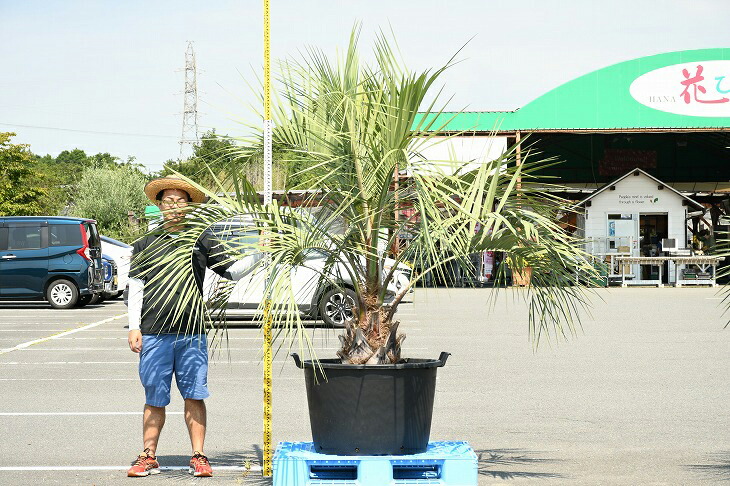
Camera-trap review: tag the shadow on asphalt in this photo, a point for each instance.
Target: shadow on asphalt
(254, 323)
(717, 467)
(45, 305)
(252, 456)
(513, 464)
(496, 463)
(26, 305)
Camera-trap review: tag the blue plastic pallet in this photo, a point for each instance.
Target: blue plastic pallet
(445, 463)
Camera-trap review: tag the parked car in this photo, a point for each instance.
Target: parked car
(331, 299)
(111, 279)
(121, 253)
(52, 258)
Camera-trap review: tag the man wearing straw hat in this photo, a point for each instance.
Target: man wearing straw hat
(160, 331)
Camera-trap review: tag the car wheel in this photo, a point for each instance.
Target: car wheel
(84, 300)
(96, 299)
(116, 295)
(337, 306)
(62, 294)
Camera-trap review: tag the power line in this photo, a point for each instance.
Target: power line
(94, 132)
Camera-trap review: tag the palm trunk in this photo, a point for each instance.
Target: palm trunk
(374, 339)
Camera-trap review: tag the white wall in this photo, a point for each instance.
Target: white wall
(637, 195)
(445, 154)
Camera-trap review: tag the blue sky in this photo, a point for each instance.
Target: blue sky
(104, 66)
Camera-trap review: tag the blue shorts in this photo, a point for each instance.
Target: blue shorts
(165, 354)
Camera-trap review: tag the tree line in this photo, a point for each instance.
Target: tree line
(108, 189)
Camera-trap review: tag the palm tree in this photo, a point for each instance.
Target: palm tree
(354, 127)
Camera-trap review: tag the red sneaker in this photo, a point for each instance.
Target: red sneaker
(144, 465)
(199, 466)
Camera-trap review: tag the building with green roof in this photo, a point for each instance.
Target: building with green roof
(667, 114)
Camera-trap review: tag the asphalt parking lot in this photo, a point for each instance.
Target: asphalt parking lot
(640, 396)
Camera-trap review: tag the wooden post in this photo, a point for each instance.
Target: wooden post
(518, 160)
(523, 277)
(396, 240)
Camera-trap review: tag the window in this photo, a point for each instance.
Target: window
(233, 239)
(92, 236)
(237, 236)
(24, 237)
(64, 235)
(247, 237)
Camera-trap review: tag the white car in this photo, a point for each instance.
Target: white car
(122, 255)
(331, 299)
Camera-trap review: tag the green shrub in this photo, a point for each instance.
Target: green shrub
(107, 195)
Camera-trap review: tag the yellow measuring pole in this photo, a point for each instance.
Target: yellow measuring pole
(267, 469)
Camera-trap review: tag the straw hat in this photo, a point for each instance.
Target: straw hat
(153, 188)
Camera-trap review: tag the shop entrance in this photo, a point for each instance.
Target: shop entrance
(652, 229)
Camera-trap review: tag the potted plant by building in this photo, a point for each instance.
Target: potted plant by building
(354, 130)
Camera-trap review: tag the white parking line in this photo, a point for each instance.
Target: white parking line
(122, 468)
(32, 330)
(77, 338)
(69, 379)
(52, 330)
(227, 380)
(77, 349)
(53, 414)
(65, 333)
(35, 363)
(66, 362)
(222, 349)
(118, 349)
(125, 338)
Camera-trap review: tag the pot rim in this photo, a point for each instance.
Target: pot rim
(408, 363)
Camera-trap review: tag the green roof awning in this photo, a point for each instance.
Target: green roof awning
(152, 211)
(668, 96)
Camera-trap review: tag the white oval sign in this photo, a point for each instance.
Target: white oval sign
(699, 88)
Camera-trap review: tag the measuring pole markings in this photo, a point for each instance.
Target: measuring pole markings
(267, 452)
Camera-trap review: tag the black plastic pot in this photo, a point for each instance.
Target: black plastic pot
(371, 409)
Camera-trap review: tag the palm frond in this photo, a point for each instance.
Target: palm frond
(353, 128)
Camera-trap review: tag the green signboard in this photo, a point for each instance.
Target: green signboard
(676, 90)
(151, 212)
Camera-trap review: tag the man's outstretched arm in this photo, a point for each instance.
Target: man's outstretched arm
(218, 261)
(242, 267)
(135, 299)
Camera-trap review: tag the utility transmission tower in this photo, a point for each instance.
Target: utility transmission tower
(190, 107)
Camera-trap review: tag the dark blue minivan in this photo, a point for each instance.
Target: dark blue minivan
(51, 258)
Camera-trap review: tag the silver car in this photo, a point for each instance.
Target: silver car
(331, 299)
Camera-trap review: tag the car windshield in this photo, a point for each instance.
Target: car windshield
(64, 235)
(236, 234)
(92, 235)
